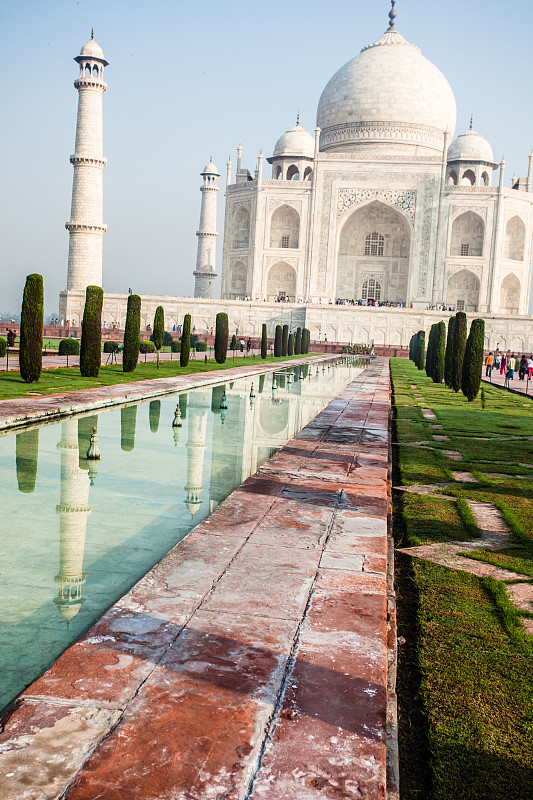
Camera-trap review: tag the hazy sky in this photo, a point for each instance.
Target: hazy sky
(189, 80)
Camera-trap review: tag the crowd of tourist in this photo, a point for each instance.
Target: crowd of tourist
(507, 364)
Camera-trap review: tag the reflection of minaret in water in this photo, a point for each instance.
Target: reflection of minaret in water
(73, 510)
(197, 408)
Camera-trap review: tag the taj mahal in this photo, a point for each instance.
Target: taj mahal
(382, 205)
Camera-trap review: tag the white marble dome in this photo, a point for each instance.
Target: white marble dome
(295, 142)
(470, 146)
(92, 50)
(389, 94)
(210, 169)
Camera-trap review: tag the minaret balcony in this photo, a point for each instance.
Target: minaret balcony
(90, 83)
(77, 159)
(80, 227)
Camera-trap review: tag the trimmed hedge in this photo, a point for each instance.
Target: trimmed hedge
(69, 347)
(278, 341)
(439, 353)
(459, 344)
(110, 347)
(290, 345)
(146, 347)
(448, 357)
(3, 347)
(473, 360)
(285, 340)
(185, 351)
(132, 334)
(201, 347)
(175, 347)
(91, 332)
(264, 341)
(31, 329)
(298, 342)
(221, 337)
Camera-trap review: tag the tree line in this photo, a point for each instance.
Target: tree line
(451, 356)
(31, 334)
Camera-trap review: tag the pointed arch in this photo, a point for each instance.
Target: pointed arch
(468, 233)
(463, 291)
(515, 238)
(281, 281)
(452, 178)
(238, 280)
(308, 174)
(468, 178)
(510, 295)
(293, 173)
(285, 227)
(241, 229)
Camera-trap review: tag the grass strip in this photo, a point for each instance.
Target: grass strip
(469, 521)
(505, 559)
(508, 613)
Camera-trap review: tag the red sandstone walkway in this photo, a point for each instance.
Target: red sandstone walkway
(516, 384)
(251, 662)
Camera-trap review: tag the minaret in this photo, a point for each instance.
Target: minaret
(197, 409)
(204, 285)
(73, 510)
(86, 227)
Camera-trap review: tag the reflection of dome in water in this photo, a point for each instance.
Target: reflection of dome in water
(389, 95)
(273, 417)
(193, 506)
(68, 610)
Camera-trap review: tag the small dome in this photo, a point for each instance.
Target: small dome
(295, 142)
(470, 146)
(210, 169)
(92, 49)
(390, 95)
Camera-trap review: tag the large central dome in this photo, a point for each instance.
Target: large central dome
(388, 98)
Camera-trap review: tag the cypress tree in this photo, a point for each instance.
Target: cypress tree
(31, 329)
(185, 341)
(154, 413)
(26, 455)
(421, 360)
(439, 350)
(91, 333)
(290, 346)
(128, 423)
(459, 344)
(233, 345)
(473, 360)
(305, 341)
(298, 342)
(285, 340)
(448, 358)
(430, 351)
(221, 337)
(159, 330)
(277, 341)
(264, 341)
(132, 334)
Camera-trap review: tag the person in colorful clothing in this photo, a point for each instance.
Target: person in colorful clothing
(489, 361)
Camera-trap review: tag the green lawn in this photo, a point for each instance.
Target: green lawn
(465, 676)
(68, 379)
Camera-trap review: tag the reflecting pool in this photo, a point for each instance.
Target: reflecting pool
(77, 534)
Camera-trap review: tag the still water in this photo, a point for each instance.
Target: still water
(77, 534)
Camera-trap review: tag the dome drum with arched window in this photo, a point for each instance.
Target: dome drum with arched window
(293, 155)
(470, 161)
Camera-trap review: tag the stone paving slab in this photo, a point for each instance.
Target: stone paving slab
(251, 661)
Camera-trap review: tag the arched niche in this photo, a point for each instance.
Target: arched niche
(241, 229)
(468, 178)
(468, 233)
(374, 243)
(293, 173)
(278, 172)
(285, 227)
(485, 178)
(463, 291)
(452, 178)
(308, 174)
(281, 282)
(510, 295)
(237, 280)
(515, 238)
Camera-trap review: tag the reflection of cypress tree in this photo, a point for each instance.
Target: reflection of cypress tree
(85, 429)
(216, 397)
(183, 405)
(281, 381)
(305, 371)
(154, 413)
(128, 420)
(27, 452)
(261, 383)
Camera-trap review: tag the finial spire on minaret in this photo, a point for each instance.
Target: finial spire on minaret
(392, 15)
(471, 121)
(92, 34)
(297, 119)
